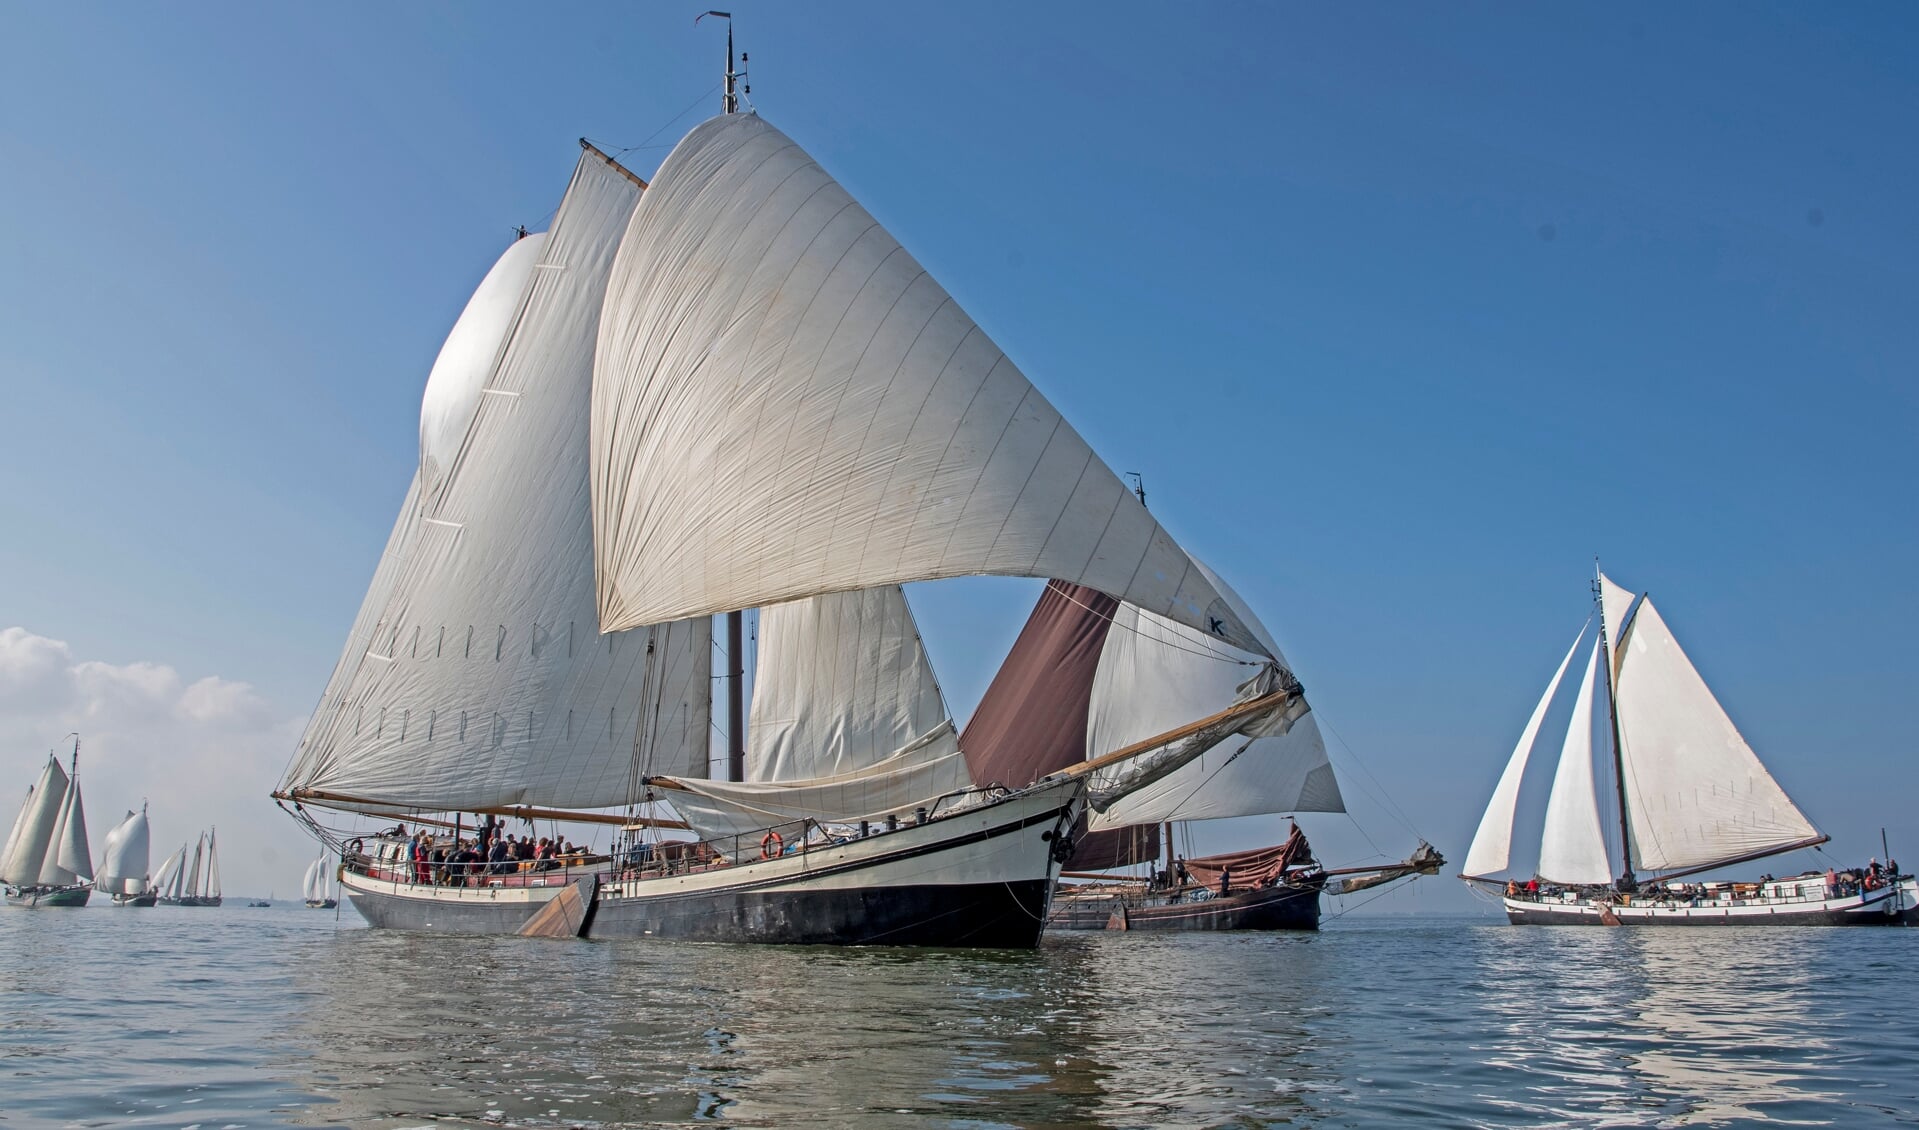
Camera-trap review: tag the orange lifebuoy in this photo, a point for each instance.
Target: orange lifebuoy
(771, 845)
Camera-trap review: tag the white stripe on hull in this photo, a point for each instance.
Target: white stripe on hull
(1897, 904)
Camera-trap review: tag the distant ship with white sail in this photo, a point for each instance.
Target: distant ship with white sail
(317, 887)
(123, 863)
(46, 861)
(1691, 797)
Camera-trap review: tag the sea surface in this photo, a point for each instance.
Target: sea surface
(292, 1017)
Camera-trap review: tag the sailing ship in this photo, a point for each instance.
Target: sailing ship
(1116, 673)
(317, 887)
(1691, 797)
(169, 881)
(731, 390)
(197, 883)
(123, 864)
(47, 861)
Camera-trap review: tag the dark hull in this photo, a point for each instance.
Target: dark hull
(1272, 908)
(441, 915)
(44, 896)
(322, 904)
(976, 915)
(149, 899)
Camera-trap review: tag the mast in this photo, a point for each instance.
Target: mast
(1626, 880)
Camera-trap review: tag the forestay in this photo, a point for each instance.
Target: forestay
(1573, 848)
(475, 675)
(786, 404)
(1492, 843)
(1155, 675)
(841, 683)
(1695, 791)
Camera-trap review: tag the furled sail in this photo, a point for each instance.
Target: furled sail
(1696, 794)
(68, 858)
(842, 682)
(475, 675)
(915, 777)
(1492, 843)
(1572, 848)
(786, 404)
(124, 857)
(37, 823)
(1155, 674)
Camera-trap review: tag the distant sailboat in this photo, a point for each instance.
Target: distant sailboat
(1691, 797)
(123, 864)
(48, 862)
(169, 882)
(200, 885)
(318, 887)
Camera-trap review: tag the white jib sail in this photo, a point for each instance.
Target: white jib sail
(917, 776)
(68, 858)
(169, 873)
(1492, 843)
(37, 824)
(481, 679)
(1572, 848)
(1615, 603)
(786, 404)
(13, 834)
(124, 857)
(1156, 674)
(1696, 793)
(842, 682)
(193, 873)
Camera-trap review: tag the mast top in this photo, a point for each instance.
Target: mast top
(729, 99)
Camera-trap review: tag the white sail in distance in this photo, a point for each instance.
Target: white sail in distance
(1573, 848)
(475, 675)
(1696, 794)
(1156, 674)
(841, 683)
(1492, 844)
(36, 826)
(169, 873)
(124, 857)
(786, 404)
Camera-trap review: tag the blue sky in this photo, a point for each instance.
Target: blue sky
(1405, 312)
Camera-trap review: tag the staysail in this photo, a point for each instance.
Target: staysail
(1155, 674)
(1696, 794)
(786, 404)
(1573, 848)
(124, 857)
(841, 683)
(167, 879)
(1492, 843)
(475, 675)
(36, 826)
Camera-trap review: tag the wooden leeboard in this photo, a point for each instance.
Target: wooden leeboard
(565, 916)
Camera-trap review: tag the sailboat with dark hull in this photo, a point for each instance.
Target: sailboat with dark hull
(1692, 797)
(46, 862)
(726, 390)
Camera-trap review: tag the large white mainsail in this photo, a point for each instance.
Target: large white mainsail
(36, 825)
(1572, 847)
(124, 857)
(786, 404)
(1492, 843)
(475, 676)
(1155, 674)
(1696, 794)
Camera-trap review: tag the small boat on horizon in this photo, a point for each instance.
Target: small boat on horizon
(1692, 797)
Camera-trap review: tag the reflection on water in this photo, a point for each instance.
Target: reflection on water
(255, 1017)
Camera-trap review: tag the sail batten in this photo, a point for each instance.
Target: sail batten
(787, 405)
(1572, 847)
(475, 675)
(1491, 848)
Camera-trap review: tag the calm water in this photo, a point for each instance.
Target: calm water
(249, 1017)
